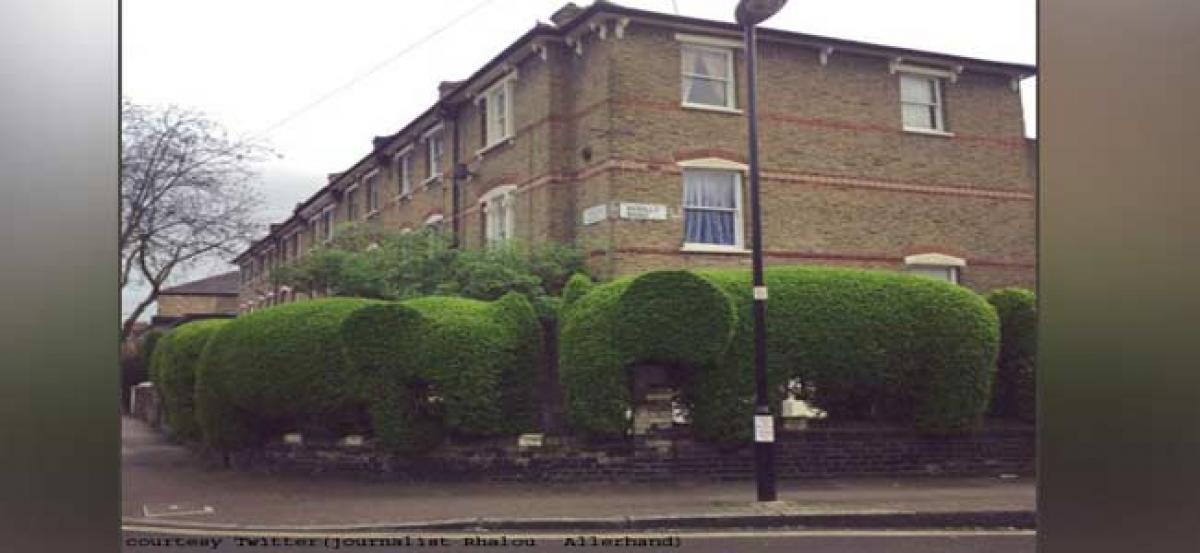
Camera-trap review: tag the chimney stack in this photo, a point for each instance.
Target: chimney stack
(446, 87)
(565, 14)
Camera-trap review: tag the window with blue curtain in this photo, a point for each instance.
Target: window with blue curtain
(711, 207)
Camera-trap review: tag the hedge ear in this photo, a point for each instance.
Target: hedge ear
(675, 316)
(577, 286)
(517, 310)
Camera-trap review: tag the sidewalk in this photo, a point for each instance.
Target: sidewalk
(163, 485)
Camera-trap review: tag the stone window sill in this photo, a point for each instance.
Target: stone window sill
(713, 248)
(493, 146)
(928, 132)
(716, 109)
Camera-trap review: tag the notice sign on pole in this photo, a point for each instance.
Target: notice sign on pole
(647, 212)
(764, 428)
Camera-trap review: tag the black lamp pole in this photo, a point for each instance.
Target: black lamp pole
(749, 14)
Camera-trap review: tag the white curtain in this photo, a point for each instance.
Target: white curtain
(704, 77)
(918, 98)
(710, 207)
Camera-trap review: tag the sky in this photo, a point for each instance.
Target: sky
(317, 79)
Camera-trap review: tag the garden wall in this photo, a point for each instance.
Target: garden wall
(834, 451)
(145, 404)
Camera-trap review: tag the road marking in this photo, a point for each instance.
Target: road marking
(569, 534)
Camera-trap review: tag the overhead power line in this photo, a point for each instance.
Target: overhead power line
(372, 70)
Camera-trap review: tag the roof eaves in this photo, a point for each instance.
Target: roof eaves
(766, 32)
(418, 121)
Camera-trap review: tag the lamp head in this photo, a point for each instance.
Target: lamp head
(753, 12)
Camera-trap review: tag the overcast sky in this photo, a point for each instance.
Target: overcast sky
(281, 67)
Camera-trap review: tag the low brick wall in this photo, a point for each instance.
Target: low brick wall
(835, 451)
(145, 404)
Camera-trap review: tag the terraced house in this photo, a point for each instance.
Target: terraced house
(623, 131)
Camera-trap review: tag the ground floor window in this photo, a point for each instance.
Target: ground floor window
(499, 214)
(712, 208)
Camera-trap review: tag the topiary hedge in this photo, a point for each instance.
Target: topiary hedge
(278, 370)
(437, 365)
(1014, 395)
(591, 366)
(135, 363)
(173, 371)
(870, 345)
(576, 287)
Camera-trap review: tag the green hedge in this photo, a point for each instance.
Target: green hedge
(134, 362)
(437, 365)
(870, 344)
(576, 287)
(279, 370)
(1014, 395)
(591, 367)
(173, 371)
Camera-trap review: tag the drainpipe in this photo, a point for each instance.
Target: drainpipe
(457, 174)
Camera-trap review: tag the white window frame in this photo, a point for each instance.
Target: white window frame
(430, 138)
(403, 161)
(327, 222)
(434, 220)
(507, 196)
(496, 133)
(721, 165)
(371, 211)
(291, 248)
(730, 77)
(351, 216)
(938, 77)
(952, 266)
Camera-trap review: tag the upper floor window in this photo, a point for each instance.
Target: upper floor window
(921, 102)
(327, 224)
(496, 106)
(404, 171)
(708, 76)
(499, 214)
(434, 221)
(352, 203)
(712, 209)
(433, 159)
(371, 190)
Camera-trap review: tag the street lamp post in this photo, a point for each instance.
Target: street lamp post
(749, 14)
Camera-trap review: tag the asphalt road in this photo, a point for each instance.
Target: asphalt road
(141, 540)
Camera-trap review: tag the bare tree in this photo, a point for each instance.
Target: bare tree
(187, 195)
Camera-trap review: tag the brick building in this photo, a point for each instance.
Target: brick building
(214, 296)
(622, 131)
